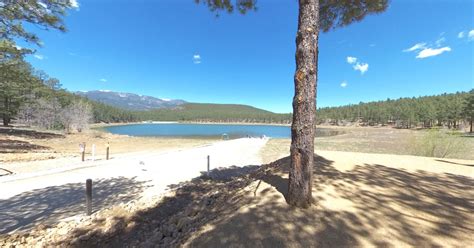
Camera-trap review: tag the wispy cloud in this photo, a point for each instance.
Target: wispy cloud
(424, 50)
(344, 84)
(358, 66)
(466, 34)
(430, 52)
(351, 60)
(103, 80)
(362, 67)
(197, 59)
(372, 45)
(38, 56)
(415, 47)
(439, 42)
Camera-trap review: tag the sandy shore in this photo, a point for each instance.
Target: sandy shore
(19, 145)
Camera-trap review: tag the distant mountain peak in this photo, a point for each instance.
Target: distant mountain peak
(130, 101)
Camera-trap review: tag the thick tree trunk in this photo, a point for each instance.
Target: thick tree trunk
(304, 105)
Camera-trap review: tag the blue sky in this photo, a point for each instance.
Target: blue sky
(177, 49)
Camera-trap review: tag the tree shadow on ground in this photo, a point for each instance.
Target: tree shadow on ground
(365, 205)
(50, 205)
(18, 146)
(370, 204)
(31, 134)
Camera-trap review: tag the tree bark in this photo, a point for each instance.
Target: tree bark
(304, 105)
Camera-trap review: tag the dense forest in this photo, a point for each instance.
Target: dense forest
(450, 110)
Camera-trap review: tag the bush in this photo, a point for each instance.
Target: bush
(439, 143)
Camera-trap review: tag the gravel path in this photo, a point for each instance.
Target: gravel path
(56, 194)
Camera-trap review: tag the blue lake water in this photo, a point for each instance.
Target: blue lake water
(207, 130)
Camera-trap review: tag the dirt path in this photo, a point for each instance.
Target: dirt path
(48, 197)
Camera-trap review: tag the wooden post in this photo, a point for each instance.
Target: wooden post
(108, 149)
(89, 196)
(208, 164)
(83, 151)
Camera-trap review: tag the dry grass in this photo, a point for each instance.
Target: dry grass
(369, 140)
(33, 145)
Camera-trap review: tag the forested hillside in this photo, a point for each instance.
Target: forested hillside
(447, 109)
(204, 112)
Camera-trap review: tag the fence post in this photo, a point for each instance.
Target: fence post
(107, 153)
(83, 151)
(208, 164)
(89, 196)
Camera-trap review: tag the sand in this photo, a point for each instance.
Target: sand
(361, 200)
(140, 176)
(17, 145)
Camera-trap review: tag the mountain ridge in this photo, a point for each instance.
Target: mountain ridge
(130, 101)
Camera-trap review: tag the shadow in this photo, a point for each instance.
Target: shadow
(17, 146)
(368, 205)
(5, 172)
(363, 205)
(31, 134)
(279, 179)
(229, 173)
(48, 206)
(450, 162)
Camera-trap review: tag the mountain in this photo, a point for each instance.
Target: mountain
(130, 101)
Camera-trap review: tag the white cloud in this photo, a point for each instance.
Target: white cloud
(351, 60)
(470, 35)
(197, 59)
(417, 46)
(372, 45)
(39, 56)
(461, 35)
(429, 52)
(358, 66)
(74, 4)
(344, 84)
(362, 67)
(18, 47)
(103, 80)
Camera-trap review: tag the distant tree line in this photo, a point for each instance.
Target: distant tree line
(202, 112)
(450, 110)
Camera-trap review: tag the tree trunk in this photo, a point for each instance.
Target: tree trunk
(470, 123)
(304, 105)
(6, 117)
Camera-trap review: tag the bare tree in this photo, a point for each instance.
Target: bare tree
(76, 116)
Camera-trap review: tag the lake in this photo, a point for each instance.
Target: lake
(208, 130)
